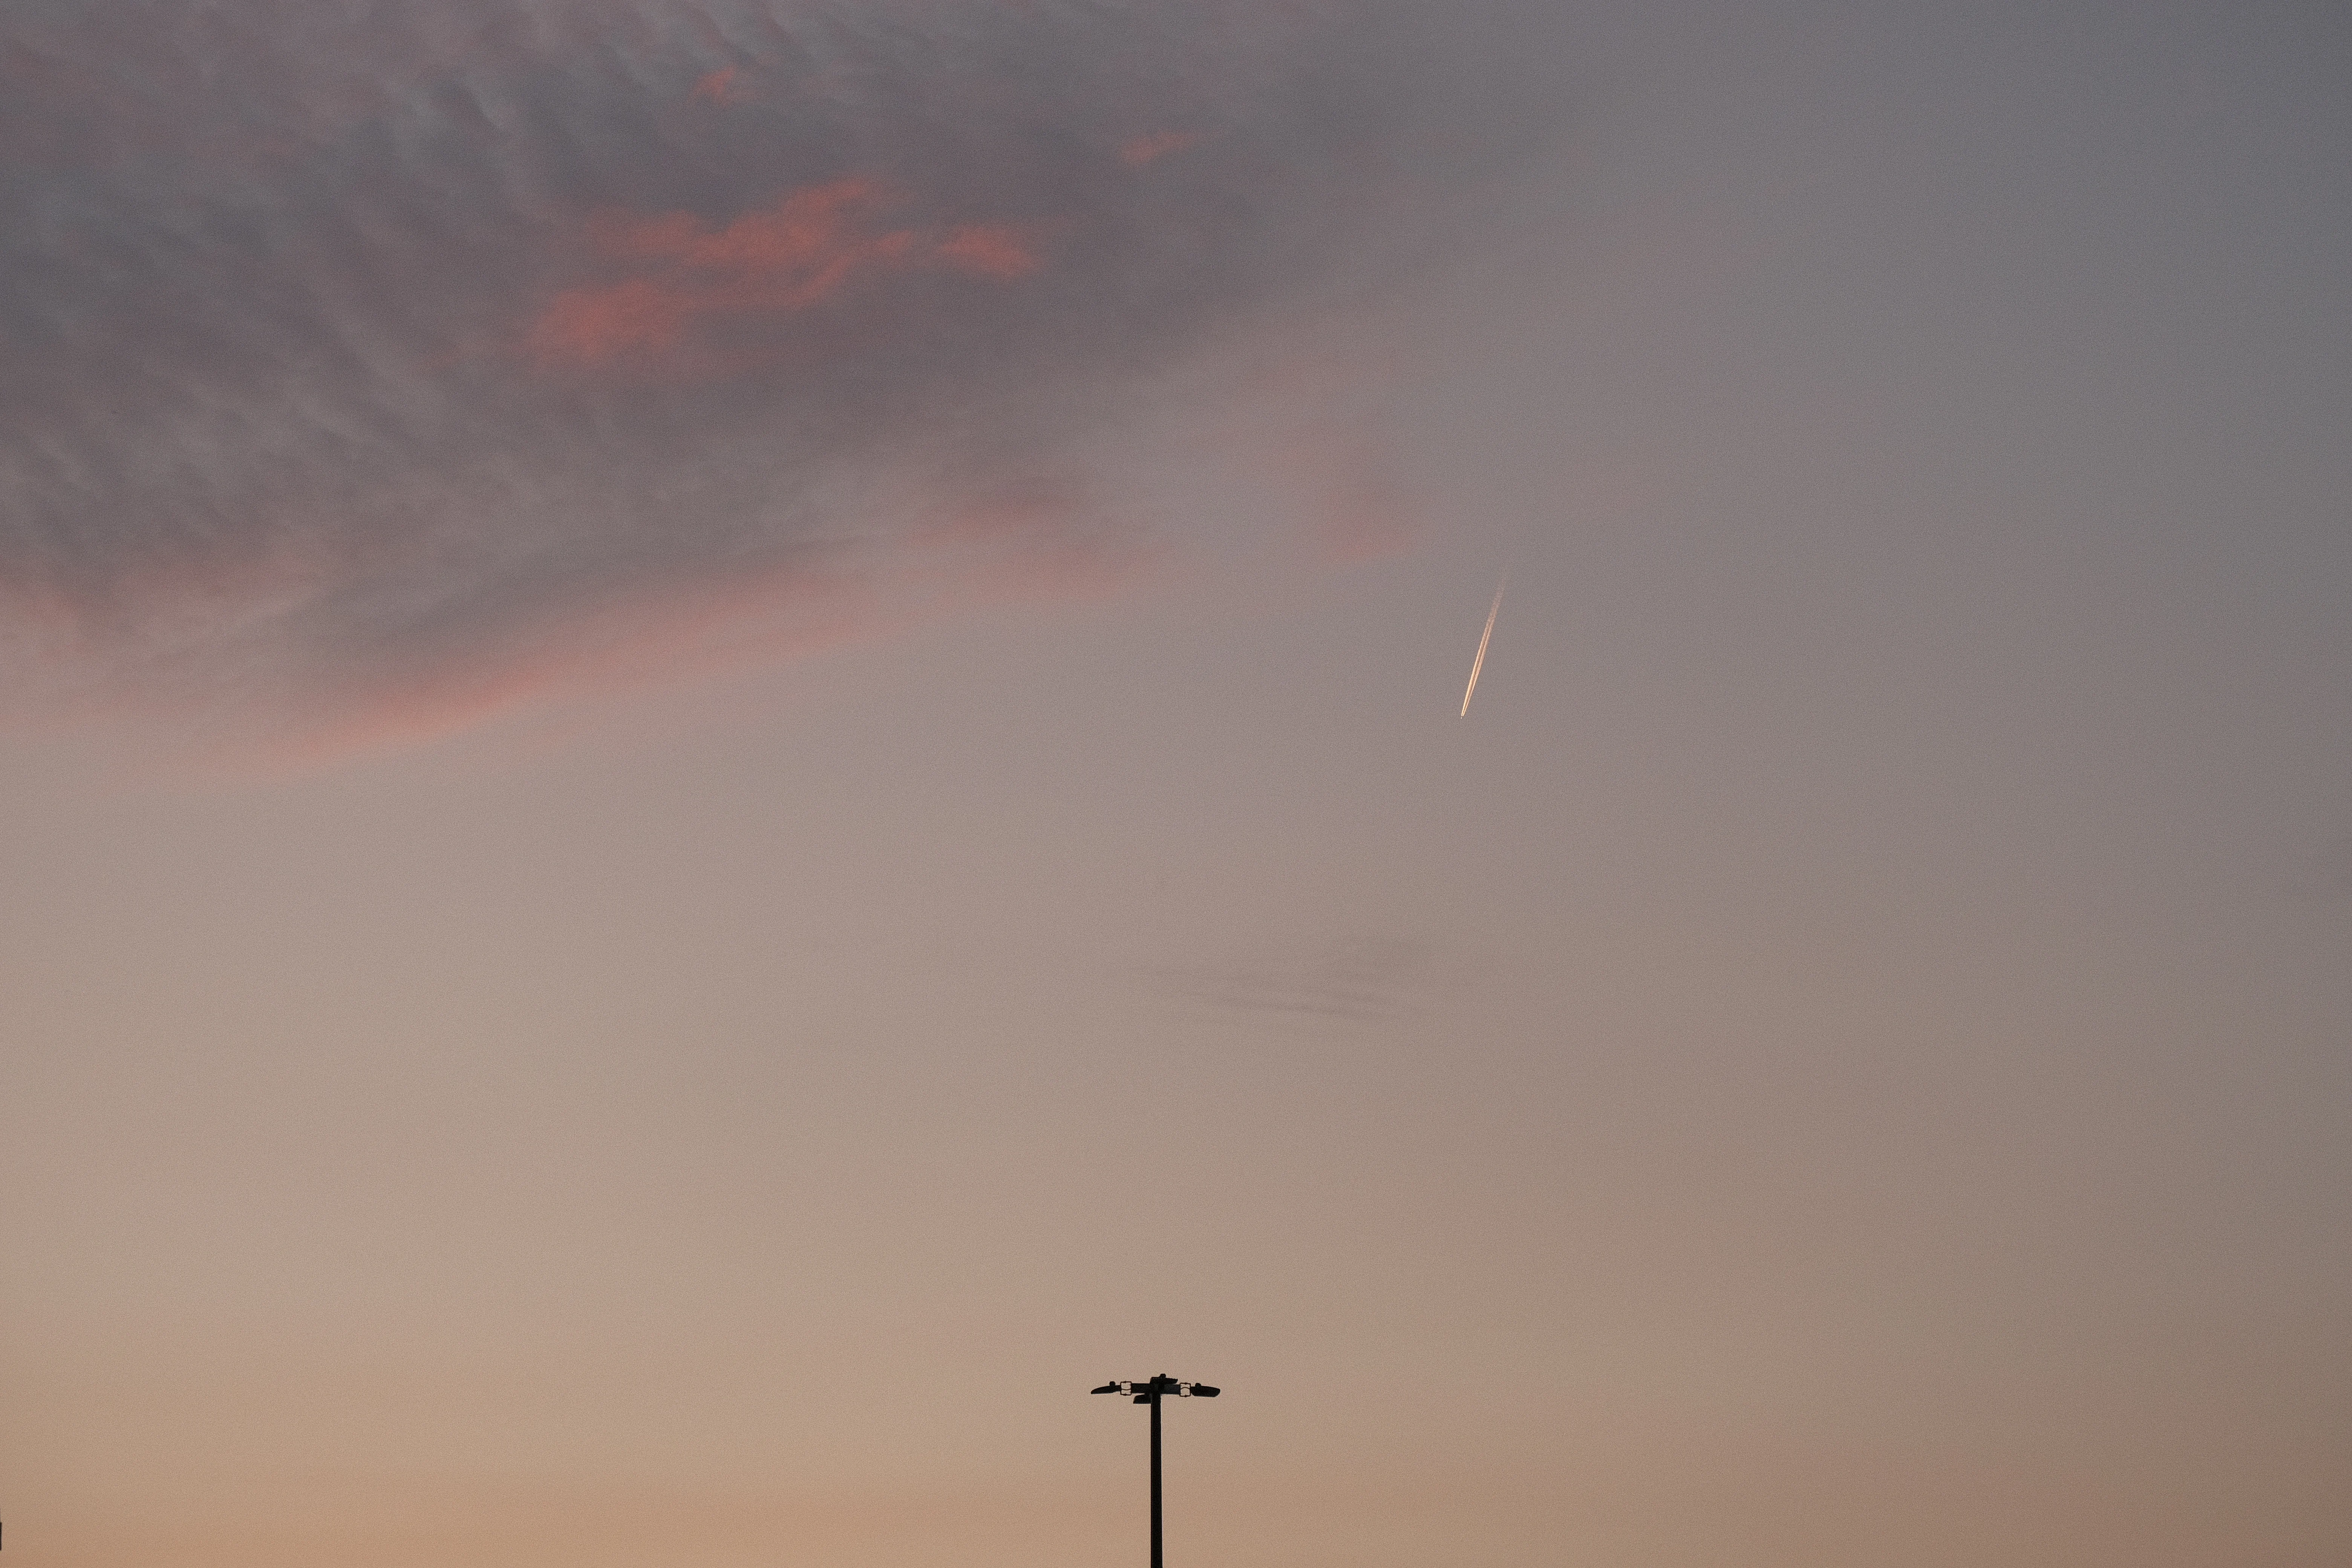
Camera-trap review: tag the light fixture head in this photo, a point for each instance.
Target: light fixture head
(1144, 1390)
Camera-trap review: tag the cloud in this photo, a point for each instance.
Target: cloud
(1140, 150)
(1363, 981)
(814, 243)
(722, 86)
(352, 353)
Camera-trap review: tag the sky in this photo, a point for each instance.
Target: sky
(733, 751)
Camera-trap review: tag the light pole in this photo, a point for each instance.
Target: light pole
(1151, 1391)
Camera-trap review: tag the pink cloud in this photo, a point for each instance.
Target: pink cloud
(586, 325)
(810, 246)
(561, 441)
(1366, 511)
(1331, 452)
(658, 635)
(722, 86)
(992, 249)
(1141, 149)
(644, 638)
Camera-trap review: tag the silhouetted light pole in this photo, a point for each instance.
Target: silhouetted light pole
(1150, 1392)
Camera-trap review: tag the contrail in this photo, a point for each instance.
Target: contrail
(1479, 663)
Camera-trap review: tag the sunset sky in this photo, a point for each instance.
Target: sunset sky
(732, 753)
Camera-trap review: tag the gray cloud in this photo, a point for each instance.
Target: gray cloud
(350, 352)
(1366, 980)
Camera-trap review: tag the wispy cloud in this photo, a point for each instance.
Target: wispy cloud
(353, 354)
(689, 281)
(1366, 980)
(1143, 150)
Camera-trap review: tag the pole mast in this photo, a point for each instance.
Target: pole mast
(1156, 1381)
(1152, 1391)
